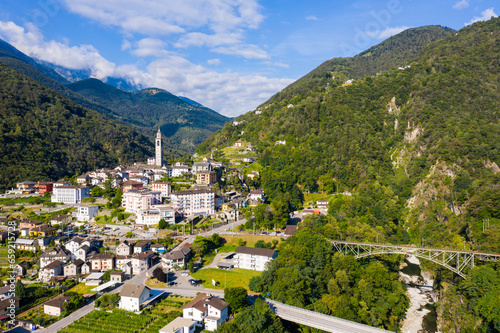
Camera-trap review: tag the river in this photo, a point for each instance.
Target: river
(421, 317)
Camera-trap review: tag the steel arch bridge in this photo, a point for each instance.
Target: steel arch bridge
(455, 261)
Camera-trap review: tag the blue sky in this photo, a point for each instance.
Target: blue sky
(229, 55)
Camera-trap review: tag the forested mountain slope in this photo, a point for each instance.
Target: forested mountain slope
(185, 125)
(45, 136)
(419, 147)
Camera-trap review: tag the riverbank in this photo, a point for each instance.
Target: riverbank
(420, 317)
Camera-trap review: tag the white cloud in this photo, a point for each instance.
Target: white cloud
(31, 42)
(150, 47)
(485, 16)
(461, 4)
(245, 51)
(387, 32)
(311, 18)
(226, 92)
(214, 62)
(173, 16)
(202, 39)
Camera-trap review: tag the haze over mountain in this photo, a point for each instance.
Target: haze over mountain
(184, 123)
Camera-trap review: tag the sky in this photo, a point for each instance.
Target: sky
(229, 55)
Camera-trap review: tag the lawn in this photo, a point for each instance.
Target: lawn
(82, 289)
(234, 278)
(311, 198)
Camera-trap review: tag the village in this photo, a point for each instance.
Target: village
(133, 237)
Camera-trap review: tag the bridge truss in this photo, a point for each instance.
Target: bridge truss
(455, 261)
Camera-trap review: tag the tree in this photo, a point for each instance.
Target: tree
(129, 234)
(237, 298)
(97, 191)
(107, 276)
(162, 224)
(20, 289)
(159, 274)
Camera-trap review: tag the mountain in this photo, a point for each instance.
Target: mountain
(416, 150)
(183, 124)
(190, 101)
(46, 136)
(419, 143)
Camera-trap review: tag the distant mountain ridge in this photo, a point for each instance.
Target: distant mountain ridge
(184, 122)
(46, 136)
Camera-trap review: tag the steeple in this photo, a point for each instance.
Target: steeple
(158, 157)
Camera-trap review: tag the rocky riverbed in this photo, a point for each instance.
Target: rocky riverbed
(421, 316)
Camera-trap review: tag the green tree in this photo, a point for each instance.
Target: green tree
(237, 298)
(162, 224)
(20, 290)
(97, 191)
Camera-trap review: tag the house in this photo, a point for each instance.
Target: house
(46, 273)
(179, 325)
(238, 144)
(248, 159)
(141, 261)
(231, 214)
(132, 296)
(86, 267)
(163, 187)
(103, 262)
(42, 231)
(70, 194)
(20, 268)
(290, 230)
(74, 244)
(23, 224)
(116, 276)
(131, 185)
(5, 305)
(201, 166)
(26, 187)
(94, 279)
(253, 258)
(206, 177)
(194, 202)
(322, 203)
(82, 253)
(178, 257)
(85, 213)
(26, 244)
(55, 306)
(124, 248)
(61, 183)
(257, 195)
(142, 246)
(179, 170)
(211, 310)
(154, 214)
(58, 253)
(252, 174)
(60, 219)
(45, 187)
(157, 248)
(73, 268)
(83, 180)
(135, 200)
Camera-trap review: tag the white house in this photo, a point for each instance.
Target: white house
(85, 213)
(257, 195)
(54, 254)
(253, 258)
(211, 310)
(178, 171)
(163, 187)
(70, 194)
(154, 214)
(179, 325)
(132, 296)
(51, 270)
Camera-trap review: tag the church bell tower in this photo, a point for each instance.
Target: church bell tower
(158, 157)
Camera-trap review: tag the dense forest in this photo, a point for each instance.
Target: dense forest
(45, 136)
(183, 122)
(416, 145)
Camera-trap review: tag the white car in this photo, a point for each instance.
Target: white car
(184, 273)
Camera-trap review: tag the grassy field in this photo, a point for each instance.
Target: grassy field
(83, 289)
(234, 278)
(311, 198)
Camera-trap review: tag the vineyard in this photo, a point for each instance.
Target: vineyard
(121, 321)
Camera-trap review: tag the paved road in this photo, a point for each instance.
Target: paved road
(59, 325)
